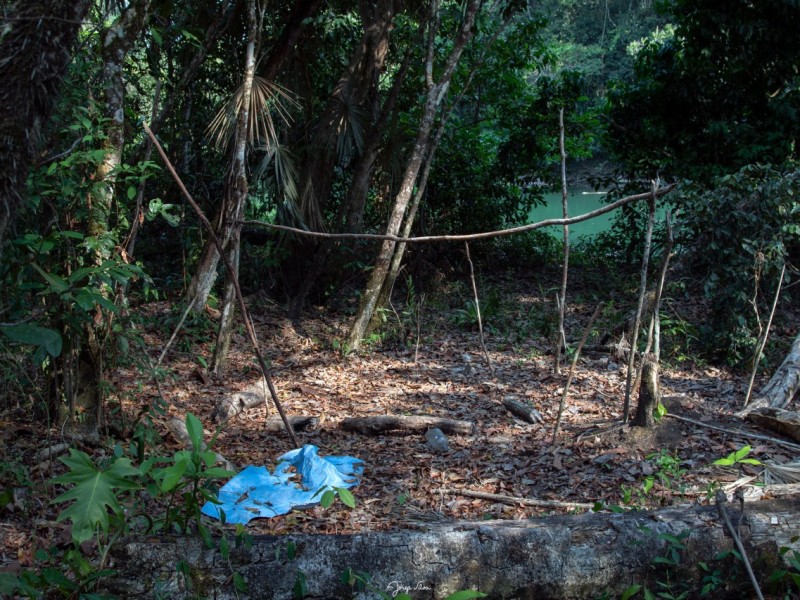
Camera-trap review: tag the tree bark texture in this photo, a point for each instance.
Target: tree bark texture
(36, 41)
(782, 386)
(236, 194)
(576, 556)
(649, 393)
(117, 42)
(435, 95)
(383, 424)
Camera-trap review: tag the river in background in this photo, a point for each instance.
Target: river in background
(580, 203)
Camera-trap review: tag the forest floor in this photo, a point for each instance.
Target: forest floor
(438, 369)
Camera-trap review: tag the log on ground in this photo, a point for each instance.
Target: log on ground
(576, 556)
(521, 410)
(237, 403)
(783, 421)
(382, 424)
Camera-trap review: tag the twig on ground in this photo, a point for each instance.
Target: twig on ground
(517, 500)
(745, 434)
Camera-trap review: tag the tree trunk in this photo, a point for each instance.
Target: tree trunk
(236, 194)
(350, 215)
(783, 385)
(397, 258)
(575, 556)
(117, 41)
(649, 393)
(36, 43)
(355, 92)
(206, 272)
(435, 95)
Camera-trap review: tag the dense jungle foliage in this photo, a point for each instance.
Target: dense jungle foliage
(694, 93)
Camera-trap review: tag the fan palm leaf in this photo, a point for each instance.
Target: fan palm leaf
(266, 97)
(346, 123)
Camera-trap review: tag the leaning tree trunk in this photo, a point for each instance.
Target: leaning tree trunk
(783, 385)
(236, 193)
(36, 43)
(576, 556)
(435, 95)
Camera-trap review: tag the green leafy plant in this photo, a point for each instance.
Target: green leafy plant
(95, 490)
(737, 457)
(788, 576)
(329, 495)
(190, 477)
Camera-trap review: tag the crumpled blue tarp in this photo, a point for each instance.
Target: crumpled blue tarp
(255, 492)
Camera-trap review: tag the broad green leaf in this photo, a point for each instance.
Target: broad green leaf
(172, 475)
(209, 458)
(94, 492)
(327, 498)
(346, 497)
(239, 583)
(224, 548)
(79, 274)
(300, 588)
(631, 592)
(195, 429)
(46, 338)
(218, 473)
(57, 284)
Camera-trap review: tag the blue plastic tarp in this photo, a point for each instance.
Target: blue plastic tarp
(255, 492)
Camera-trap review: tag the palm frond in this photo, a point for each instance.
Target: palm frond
(284, 171)
(346, 123)
(266, 97)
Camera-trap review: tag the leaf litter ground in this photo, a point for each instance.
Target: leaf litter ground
(447, 376)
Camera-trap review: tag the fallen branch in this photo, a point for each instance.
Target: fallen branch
(785, 422)
(562, 556)
(745, 434)
(517, 500)
(522, 411)
(377, 425)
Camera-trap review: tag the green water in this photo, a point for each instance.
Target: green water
(579, 203)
